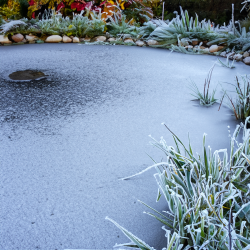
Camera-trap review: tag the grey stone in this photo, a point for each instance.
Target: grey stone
(247, 60)
(215, 48)
(4, 40)
(31, 38)
(128, 40)
(223, 54)
(66, 39)
(111, 39)
(53, 39)
(76, 40)
(140, 43)
(246, 54)
(237, 57)
(152, 42)
(100, 39)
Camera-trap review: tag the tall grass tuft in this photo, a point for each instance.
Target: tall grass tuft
(207, 195)
(241, 104)
(227, 64)
(206, 98)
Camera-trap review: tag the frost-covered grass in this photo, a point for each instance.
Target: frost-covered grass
(9, 26)
(207, 195)
(183, 26)
(227, 64)
(241, 104)
(206, 98)
(88, 25)
(167, 33)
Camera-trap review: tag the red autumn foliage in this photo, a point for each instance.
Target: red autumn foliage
(60, 5)
(78, 6)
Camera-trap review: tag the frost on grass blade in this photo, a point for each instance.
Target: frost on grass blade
(141, 244)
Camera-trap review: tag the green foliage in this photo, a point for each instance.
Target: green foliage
(140, 15)
(240, 39)
(1, 20)
(118, 26)
(79, 26)
(207, 195)
(206, 98)
(24, 5)
(246, 23)
(147, 29)
(3, 2)
(96, 26)
(183, 26)
(241, 105)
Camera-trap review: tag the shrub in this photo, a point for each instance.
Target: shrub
(207, 195)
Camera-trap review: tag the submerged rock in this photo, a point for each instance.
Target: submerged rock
(53, 39)
(17, 38)
(4, 40)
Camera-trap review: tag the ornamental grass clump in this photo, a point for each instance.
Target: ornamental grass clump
(241, 104)
(206, 98)
(207, 195)
(183, 26)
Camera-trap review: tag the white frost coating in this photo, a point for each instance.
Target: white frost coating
(8, 26)
(146, 169)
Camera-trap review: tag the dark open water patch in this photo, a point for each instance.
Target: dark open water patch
(26, 75)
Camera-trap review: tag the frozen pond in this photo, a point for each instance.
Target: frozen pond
(68, 139)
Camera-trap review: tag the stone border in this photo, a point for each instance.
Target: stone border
(190, 46)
